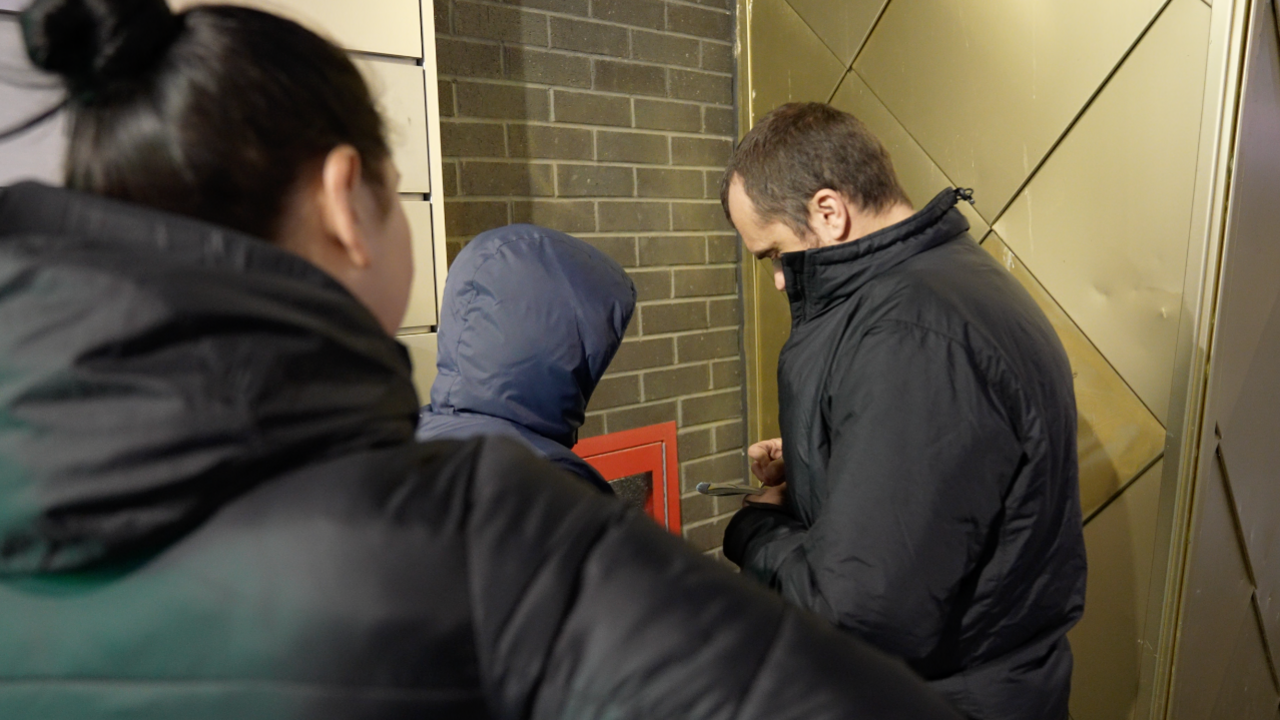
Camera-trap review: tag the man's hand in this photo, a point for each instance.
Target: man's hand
(772, 495)
(766, 462)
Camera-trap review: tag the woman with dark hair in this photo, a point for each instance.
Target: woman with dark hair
(211, 501)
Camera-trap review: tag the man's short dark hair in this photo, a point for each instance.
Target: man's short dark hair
(801, 148)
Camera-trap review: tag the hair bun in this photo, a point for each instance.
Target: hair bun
(94, 42)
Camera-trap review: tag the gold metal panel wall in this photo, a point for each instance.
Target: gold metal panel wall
(788, 61)
(422, 351)
(421, 312)
(1120, 541)
(1216, 602)
(1105, 222)
(843, 25)
(1117, 436)
(919, 175)
(988, 87)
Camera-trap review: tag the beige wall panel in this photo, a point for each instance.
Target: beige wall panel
(385, 27)
(422, 351)
(1248, 691)
(842, 24)
(1105, 223)
(919, 175)
(1117, 436)
(1216, 601)
(1245, 400)
(422, 299)
(1121, 543)
(988, 87)
(788, 62)
(400, 90)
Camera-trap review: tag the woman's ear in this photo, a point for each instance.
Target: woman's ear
(341, 203)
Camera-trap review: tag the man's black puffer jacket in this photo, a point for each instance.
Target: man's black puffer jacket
(211, 506)
(929, 431)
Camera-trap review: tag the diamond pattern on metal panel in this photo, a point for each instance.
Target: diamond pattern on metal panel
(842, 24)
(788, 61)
(1117, 436)
(919, 175)
(1106, 220)
(988, 87)
(1121, 544)
(1216, 601)
(1246, 392)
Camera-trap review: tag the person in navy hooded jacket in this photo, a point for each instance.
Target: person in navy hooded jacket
(531, 318)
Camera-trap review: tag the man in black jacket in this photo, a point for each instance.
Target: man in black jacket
(928, 501)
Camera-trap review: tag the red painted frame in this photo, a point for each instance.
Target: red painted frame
(631, 452)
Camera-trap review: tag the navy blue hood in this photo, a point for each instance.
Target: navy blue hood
(531, 319)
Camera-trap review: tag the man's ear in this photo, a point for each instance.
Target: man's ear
(829, 217)
(340, 183)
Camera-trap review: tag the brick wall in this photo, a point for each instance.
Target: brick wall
(612, 120)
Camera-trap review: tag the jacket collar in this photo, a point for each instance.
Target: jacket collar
(822, 277)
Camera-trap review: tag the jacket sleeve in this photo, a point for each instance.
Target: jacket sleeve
(585, 609)
(921, 455)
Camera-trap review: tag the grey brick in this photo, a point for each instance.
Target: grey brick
(695, 282)
(720, 468)
(633, 215)
(694, 444)
(450, 179)
(472, 139)
(595, 181)
(468, 59)
(673, 317)
(589, 37)
(725, 313)
(695, 507)
(592, 426)
(494, 22)
(641, 13)
(632, 147)
(707, 346)
(663, 115)
(509, 102)
(701, 151)
(548, 141)
(723, 248)
(665, 49)
(651, 284)
(730, 436)
(630, 78)
(441, 15)
(547, 68)
(708, 23)
(667, 183)
(507, 178)
(616, 391)
(707, 536)
(682, 250)
(564, 215)
(718, 57)
(726, 373)
(444, 91)
(673, 382)
(700, 86)
(621, 249)
(726, 405)
(471, 217)
(640, 416)
(720, 121)
(452, 247)
(698, 216)
(641, 354)
(592, 109)
(569, 7)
